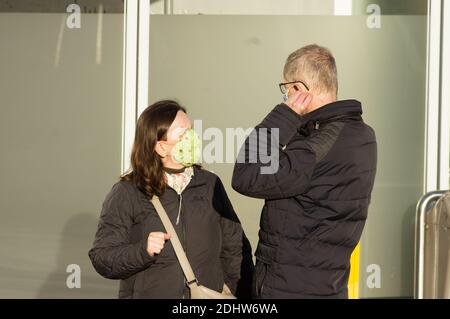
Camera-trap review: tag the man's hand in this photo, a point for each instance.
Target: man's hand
(299, 102)
(155, 242)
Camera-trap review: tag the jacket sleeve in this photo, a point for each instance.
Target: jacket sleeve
(292, 160)
(113, 255)
(236, 255)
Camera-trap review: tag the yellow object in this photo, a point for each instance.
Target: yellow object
(353, 281)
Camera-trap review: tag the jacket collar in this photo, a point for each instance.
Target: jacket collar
(346, 110)
(198, 179)
(338, 109)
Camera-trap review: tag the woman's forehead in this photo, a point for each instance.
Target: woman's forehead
(180, 124)
(181, 121)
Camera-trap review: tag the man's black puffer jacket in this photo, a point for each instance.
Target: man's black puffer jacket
(209, 230)
(315, 203)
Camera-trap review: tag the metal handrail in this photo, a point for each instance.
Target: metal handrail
(419, 265)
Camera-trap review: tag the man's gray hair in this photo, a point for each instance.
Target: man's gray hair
(314, 65)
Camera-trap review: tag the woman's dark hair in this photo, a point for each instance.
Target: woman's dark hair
(146, 170)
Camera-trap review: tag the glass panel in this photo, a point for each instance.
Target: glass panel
(225, 70)
(286, 7)
(61, 139)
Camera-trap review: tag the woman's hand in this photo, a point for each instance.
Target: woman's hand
(155, 242)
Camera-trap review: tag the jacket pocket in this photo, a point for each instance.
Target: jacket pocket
(260, 275)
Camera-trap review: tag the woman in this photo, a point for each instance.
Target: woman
(131, 243)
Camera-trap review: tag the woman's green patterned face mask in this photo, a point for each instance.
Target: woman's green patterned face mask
(188, 149)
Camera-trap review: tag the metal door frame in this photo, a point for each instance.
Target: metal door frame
(135, 70)
(437, 128)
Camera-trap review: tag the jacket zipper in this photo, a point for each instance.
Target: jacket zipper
(183, 223)
(179, 208)
(180, 217)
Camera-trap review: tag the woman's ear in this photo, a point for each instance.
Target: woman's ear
(160, 150)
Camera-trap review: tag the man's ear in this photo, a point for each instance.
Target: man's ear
(160, 150)
(300, 88)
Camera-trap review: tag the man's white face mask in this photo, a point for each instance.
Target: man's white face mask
(286, 96)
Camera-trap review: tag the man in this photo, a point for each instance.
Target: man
(316, 200)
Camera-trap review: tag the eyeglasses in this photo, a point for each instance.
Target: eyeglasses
(284, 88)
